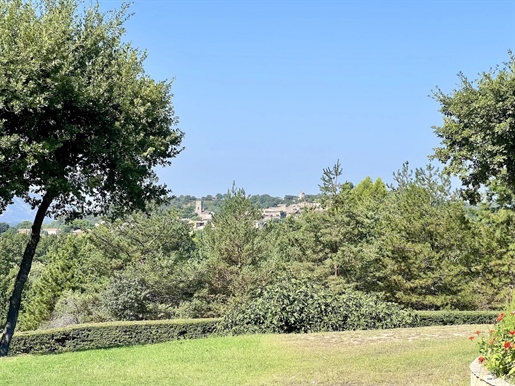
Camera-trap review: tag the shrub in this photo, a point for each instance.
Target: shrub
(444, 318)
(74, 307)
(297, 306)
(103, 335)
(497, 347)
(127, 296)
(366, 311)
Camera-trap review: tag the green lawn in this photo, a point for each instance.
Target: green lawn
(419, 356)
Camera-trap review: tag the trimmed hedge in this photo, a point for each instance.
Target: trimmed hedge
(103, 335)
(445, 318)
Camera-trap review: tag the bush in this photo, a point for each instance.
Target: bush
(127, 297)
(497, 346)
(445, 318)
(297, 306)
(103, 335)
(367, 311)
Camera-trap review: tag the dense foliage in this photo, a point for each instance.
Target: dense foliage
(293, 306)
(82, 126)
(478, 131)
(414, 243)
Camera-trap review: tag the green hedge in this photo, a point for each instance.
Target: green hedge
(102, 335)
(445, 318)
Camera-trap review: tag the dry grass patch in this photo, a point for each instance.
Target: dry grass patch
(356, 338)
(409, 356)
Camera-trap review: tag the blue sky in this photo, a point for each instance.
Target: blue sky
(271, 92)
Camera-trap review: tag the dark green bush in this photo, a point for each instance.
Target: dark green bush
(366, 311)
(296, 306)
(126, 297)
(102, 335)
(444, 318)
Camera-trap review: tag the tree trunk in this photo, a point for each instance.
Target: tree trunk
(23, 273)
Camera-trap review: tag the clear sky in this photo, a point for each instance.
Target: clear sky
(271, 92)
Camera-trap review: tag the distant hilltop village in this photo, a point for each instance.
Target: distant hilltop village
(196, 211)
(276, 212)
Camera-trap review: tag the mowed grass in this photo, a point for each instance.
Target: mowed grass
(418, 356)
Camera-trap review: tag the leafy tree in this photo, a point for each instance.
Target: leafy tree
(81, 124)
(4, 227)
(478, 131)
(24, 225)
(368, 190)
(265, 200)
(289, 199)
(126, 298)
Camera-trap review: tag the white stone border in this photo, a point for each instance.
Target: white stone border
(479, 376)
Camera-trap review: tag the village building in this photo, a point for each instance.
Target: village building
(203, 214)
(44, 231)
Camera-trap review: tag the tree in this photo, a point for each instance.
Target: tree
(4, 227)
(426, 244)
(233, 250)
(26, 224)
(81, 124)
(233, 236)
(330, 185)
(141, 237)
(334, 246)
(333, 192)
(63, 269)
(478, 131)
(11, 245)
(494, 257)
(152, 252)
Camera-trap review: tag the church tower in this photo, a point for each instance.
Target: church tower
(198, 207)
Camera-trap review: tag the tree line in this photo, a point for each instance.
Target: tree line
(414, 242)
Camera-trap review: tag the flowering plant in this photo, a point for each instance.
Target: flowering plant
(497, 348)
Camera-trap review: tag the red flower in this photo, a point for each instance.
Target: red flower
(512, 332)
(501, 316)
(492, 342)
(478, 332)
(508, 345)
(481, 359)
(472, 337)
(492, 331)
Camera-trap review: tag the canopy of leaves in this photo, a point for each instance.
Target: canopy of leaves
(478, 131)
(80, 120)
